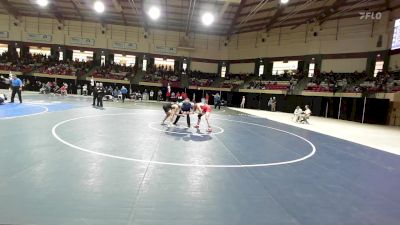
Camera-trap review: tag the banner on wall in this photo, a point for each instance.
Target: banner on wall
(124, 45)
(165, 49)
(38, 37)
(3, 34)
(82, 41)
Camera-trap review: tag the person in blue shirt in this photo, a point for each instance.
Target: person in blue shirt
(124, 92)
(16, 86)
(217, 101)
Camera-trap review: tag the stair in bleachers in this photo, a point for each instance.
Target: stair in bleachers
(137, 77)
(301, 85)
(184, 81)
(88, 74)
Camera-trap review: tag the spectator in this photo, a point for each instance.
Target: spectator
(151, 95)
(159, 95)
(242, 104)
(273, 104)
(297, 114)
(217, 101)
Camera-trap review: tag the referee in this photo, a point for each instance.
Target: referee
(16, 85)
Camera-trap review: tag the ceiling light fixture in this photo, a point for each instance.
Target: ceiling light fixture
(207, 18)
(284, 1)
(154, 13)
(99, 6)
(42, 3)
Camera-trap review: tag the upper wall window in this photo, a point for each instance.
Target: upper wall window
(396, 35)
(281, 67)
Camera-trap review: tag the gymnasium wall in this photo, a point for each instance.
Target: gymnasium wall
(394, 62)
(204, 67)
(237, 68)
(205, 46)
(344, 65)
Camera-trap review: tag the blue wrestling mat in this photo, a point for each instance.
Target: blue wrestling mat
(15, 110)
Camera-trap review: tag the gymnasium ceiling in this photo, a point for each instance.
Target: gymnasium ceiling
(232, 16)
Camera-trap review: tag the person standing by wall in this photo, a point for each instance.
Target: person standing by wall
(16, 87)
(151, 95)
(273, 104)
(243, 102)
(124, 92)
(217, 101)
(270, 104)
(159, 96)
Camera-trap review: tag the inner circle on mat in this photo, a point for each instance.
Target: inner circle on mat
(147, 140)
(183, 130)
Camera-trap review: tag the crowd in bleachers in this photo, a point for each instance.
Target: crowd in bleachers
(234, 80)
(201, 79)
(23, 64)
(69, 68)
(383, 82)
(162, 74)
(277, 82)
(333, 82)
(114, 71)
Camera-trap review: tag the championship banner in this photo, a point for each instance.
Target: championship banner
(165, 49)
(38, 37)
(3, 34)
(124, 45)
(82, 41)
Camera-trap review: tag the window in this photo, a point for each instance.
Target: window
(82, 56)
(166, 63)
(3, 48)
(311, 70)
(103, 60)
(38, 50)
(396, 35)
(378, 67)
(126, 60)
(261, 70)
(281, 67)
(184, 66)
(144, 67)
(223, 71)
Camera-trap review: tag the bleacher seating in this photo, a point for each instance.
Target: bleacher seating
(114, 71)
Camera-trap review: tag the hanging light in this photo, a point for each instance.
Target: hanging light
(42, 3)
(207, 18)
(154, 13)
(99, 6)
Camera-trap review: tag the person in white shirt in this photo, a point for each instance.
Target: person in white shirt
(151, 95)
(297, 114)
(84, 90)
(306, 115)
(243, 102)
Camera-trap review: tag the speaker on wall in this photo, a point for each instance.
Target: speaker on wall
(379, 42)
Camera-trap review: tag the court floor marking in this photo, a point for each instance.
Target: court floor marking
(55, 135)
(221, 130)
(27, 115)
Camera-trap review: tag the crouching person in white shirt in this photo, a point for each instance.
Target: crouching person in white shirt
(305, 116)
(297, 114)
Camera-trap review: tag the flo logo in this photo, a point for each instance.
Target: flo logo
(370, 15)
